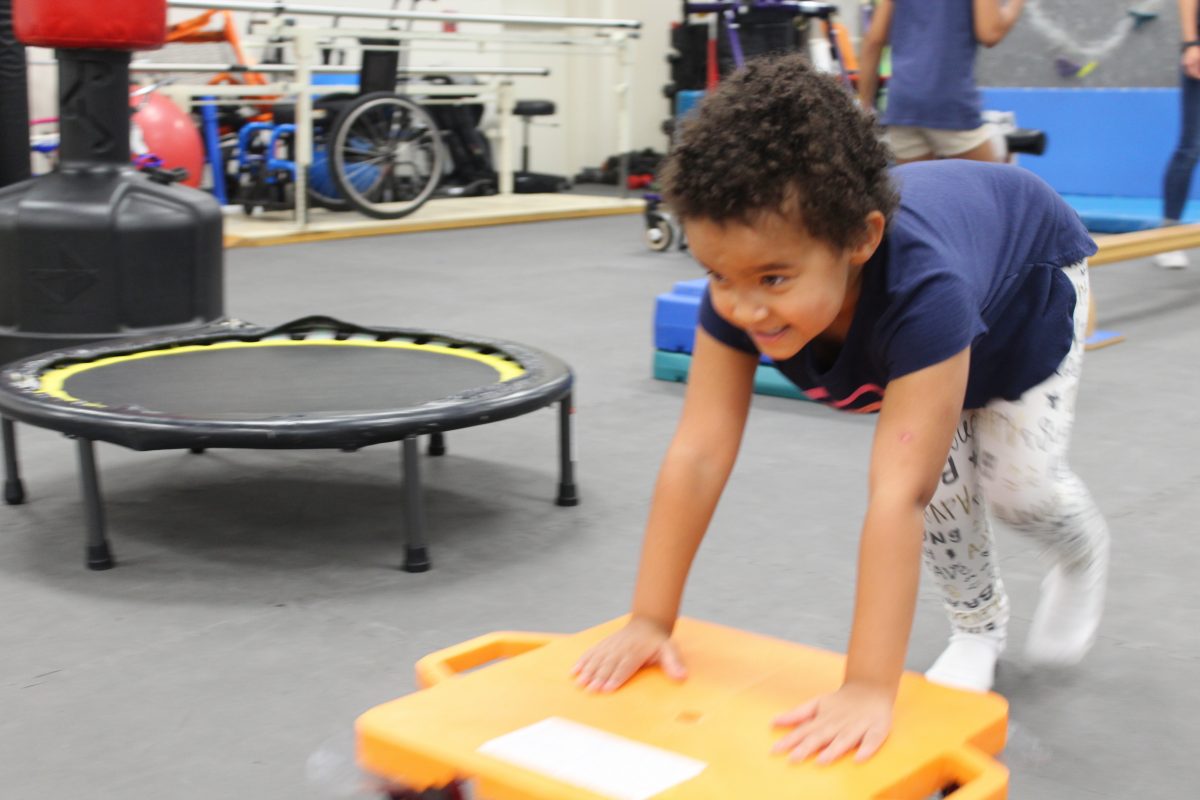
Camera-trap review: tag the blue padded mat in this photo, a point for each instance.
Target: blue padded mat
(1124, 214)
(1107, 149)
(1101, 142)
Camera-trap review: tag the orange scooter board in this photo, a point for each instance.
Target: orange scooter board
(503, 713)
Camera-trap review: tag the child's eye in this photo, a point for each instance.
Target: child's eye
(771, 281)
(715, 277)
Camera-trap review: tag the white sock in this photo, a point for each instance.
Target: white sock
(969, 662)
(1068, 612)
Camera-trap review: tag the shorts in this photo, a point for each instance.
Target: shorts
(909, 142)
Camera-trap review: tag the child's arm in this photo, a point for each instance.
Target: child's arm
(690, 481)
(693, 474)
(912, 438)
(994, 19)
(873, 42)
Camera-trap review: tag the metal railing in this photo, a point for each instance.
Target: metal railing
(428, 16)
(307, 44)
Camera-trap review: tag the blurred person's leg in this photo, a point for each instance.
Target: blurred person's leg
(1178, 178)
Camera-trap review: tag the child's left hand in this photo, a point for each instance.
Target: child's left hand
(856, 715)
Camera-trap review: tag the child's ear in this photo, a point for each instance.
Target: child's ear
(872, 235)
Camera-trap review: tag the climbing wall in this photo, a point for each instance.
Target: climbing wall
(1082, 43)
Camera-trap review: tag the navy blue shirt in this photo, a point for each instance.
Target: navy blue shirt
(972, 257)
(933, 66)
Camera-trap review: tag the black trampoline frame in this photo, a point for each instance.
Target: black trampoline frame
(546, 380)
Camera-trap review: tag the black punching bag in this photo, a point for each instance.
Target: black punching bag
(95, 249)
(14, 103)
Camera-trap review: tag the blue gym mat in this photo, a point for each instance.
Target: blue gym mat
(1107, 149)
(1124, 214)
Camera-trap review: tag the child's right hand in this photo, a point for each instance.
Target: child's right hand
(640, 643)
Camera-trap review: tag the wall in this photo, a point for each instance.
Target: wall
(582, 84)
(1084, 31)
(584, 132)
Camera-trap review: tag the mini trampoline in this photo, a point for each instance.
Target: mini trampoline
(316, 382)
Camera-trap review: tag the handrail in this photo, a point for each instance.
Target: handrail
(368, 13)
(152, 66)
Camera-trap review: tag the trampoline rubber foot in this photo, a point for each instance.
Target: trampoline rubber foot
(14, 492)
(99, 557)
(196, 450)
(416, 559)
(567, 496)
(440, 450)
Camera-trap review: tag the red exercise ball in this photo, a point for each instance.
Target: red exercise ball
(160, 128)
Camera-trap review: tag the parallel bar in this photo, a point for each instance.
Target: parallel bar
(430, 93)
(807, 9)
(150, 66)
(1139, 244)
(367, 13)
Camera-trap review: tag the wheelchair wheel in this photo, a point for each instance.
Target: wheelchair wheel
(322, 189)
(385, 156)
(659, 233)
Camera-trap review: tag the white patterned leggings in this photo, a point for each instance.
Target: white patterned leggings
(1010, 458)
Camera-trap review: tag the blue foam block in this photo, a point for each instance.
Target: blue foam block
(675, 316)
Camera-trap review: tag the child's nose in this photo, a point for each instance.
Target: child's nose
(748, 311)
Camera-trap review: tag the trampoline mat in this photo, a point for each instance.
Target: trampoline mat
(272, 379)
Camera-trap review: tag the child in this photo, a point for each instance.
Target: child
(933, 107)
(955, 309)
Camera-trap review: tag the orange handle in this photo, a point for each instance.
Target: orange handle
(978, 775)
(437, 667)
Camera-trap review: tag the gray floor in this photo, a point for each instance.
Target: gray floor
(257, 610)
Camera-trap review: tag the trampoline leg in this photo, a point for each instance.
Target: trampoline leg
(14, 490)
(416, 555)
(98, 554)
(437, 444)
(567, 495)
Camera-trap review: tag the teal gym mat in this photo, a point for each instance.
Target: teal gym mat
(767, 379)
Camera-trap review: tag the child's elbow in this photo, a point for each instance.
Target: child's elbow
(905, 495)
(924, 495)
(989, 35)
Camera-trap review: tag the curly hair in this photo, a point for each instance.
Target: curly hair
(778, 136)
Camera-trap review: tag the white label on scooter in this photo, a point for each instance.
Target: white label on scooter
(592, 759)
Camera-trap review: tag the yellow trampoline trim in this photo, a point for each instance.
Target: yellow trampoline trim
(52, 382)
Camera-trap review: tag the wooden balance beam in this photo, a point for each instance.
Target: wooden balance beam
(1127, 246)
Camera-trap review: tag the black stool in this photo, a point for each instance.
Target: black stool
(524, 181)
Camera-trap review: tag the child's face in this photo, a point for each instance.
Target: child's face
(778, 283)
